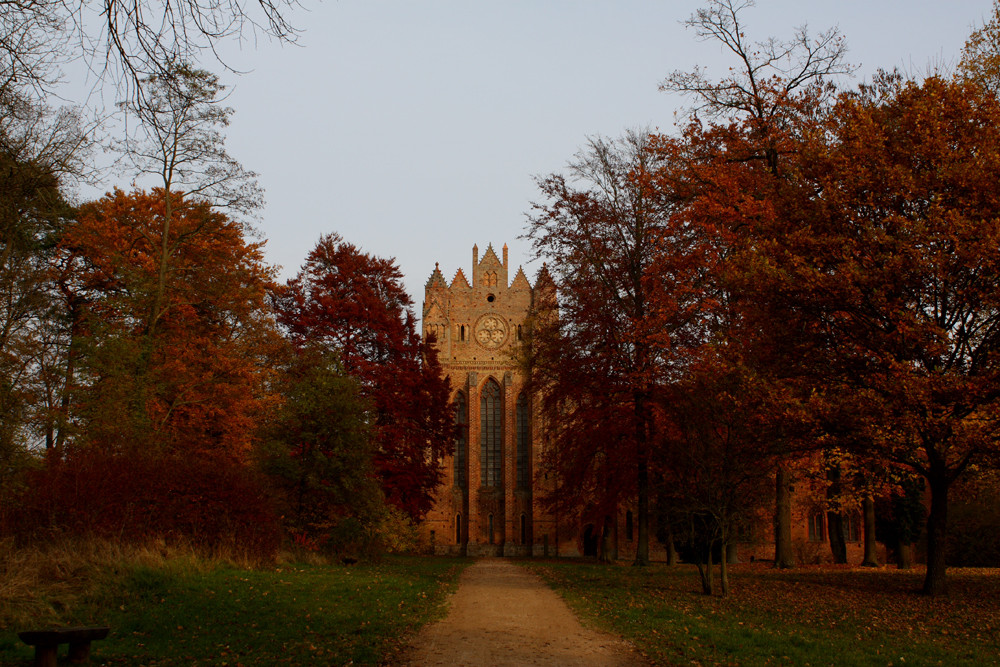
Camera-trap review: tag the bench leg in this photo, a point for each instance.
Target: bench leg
(45, 655)
(79, 652)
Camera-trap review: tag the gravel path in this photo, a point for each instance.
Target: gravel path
(502, 614)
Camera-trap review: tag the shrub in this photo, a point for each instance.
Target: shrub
(135, 497)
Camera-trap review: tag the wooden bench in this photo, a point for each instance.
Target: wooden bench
(47, 641)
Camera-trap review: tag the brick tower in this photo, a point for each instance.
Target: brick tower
(487, 503)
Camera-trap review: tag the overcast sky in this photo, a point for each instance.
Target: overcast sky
(415, 128)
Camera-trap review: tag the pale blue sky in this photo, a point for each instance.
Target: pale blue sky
(414, 128)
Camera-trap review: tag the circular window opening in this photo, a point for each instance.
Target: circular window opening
(491, 298)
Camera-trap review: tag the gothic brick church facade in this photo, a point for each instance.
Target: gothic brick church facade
(489, 502)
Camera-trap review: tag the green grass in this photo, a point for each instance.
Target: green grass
(183, 613)
(814, 616)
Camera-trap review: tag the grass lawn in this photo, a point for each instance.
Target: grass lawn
(178, 613)
(807, 616)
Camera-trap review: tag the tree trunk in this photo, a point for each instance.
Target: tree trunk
(871, 557)
(705, 588)
(671, 547)
(709, 585)
(642, 481)
(838, 544)
(609, 551)
(75, 307)
(724, 568)
(904, 555)
(937, 530)
(834, 519)
(783, 557)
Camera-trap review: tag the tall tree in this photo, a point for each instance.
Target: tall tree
(739, 166)
(178, 140)
(598, 232)
(354, 304)
(40, 151)
(894, 279)
(206, 368)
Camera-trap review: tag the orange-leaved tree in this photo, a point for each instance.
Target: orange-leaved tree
(170, 416)
(893, 278)
(735, 168)
(198, 382)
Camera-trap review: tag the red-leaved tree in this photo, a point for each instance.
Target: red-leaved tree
(354, 303)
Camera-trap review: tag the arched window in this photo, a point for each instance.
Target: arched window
(816, 532)
(458, 529)
(491, 434)
(524, 529)
(462, 334)
(461, 440)
(523, 443)
(489, 527)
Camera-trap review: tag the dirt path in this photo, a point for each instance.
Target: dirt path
(502, 614)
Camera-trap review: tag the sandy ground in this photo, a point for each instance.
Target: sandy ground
(502, 614)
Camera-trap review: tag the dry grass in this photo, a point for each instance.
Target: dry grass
(42, 583)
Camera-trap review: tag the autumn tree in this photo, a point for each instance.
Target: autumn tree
(205, 367)
(739, 168)
(354, 304)
(40, 152)
(178, 140)
(598, 230)
(893, 277)
(176, 464)
(718, 462)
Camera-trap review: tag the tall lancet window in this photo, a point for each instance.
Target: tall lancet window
(523, 443)
(461, 440)
(491, 434)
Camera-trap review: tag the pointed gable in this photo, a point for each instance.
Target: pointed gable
(490, 272)
(490, 257)
(434, 312)
(460, 281)
(520, 281)
(436, 280)
(544, 278)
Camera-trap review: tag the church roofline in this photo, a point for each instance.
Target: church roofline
(460, 280)
(436, 279)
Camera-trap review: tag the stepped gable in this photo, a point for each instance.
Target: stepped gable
(460, 281)
(520, 281)
(436, 279)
